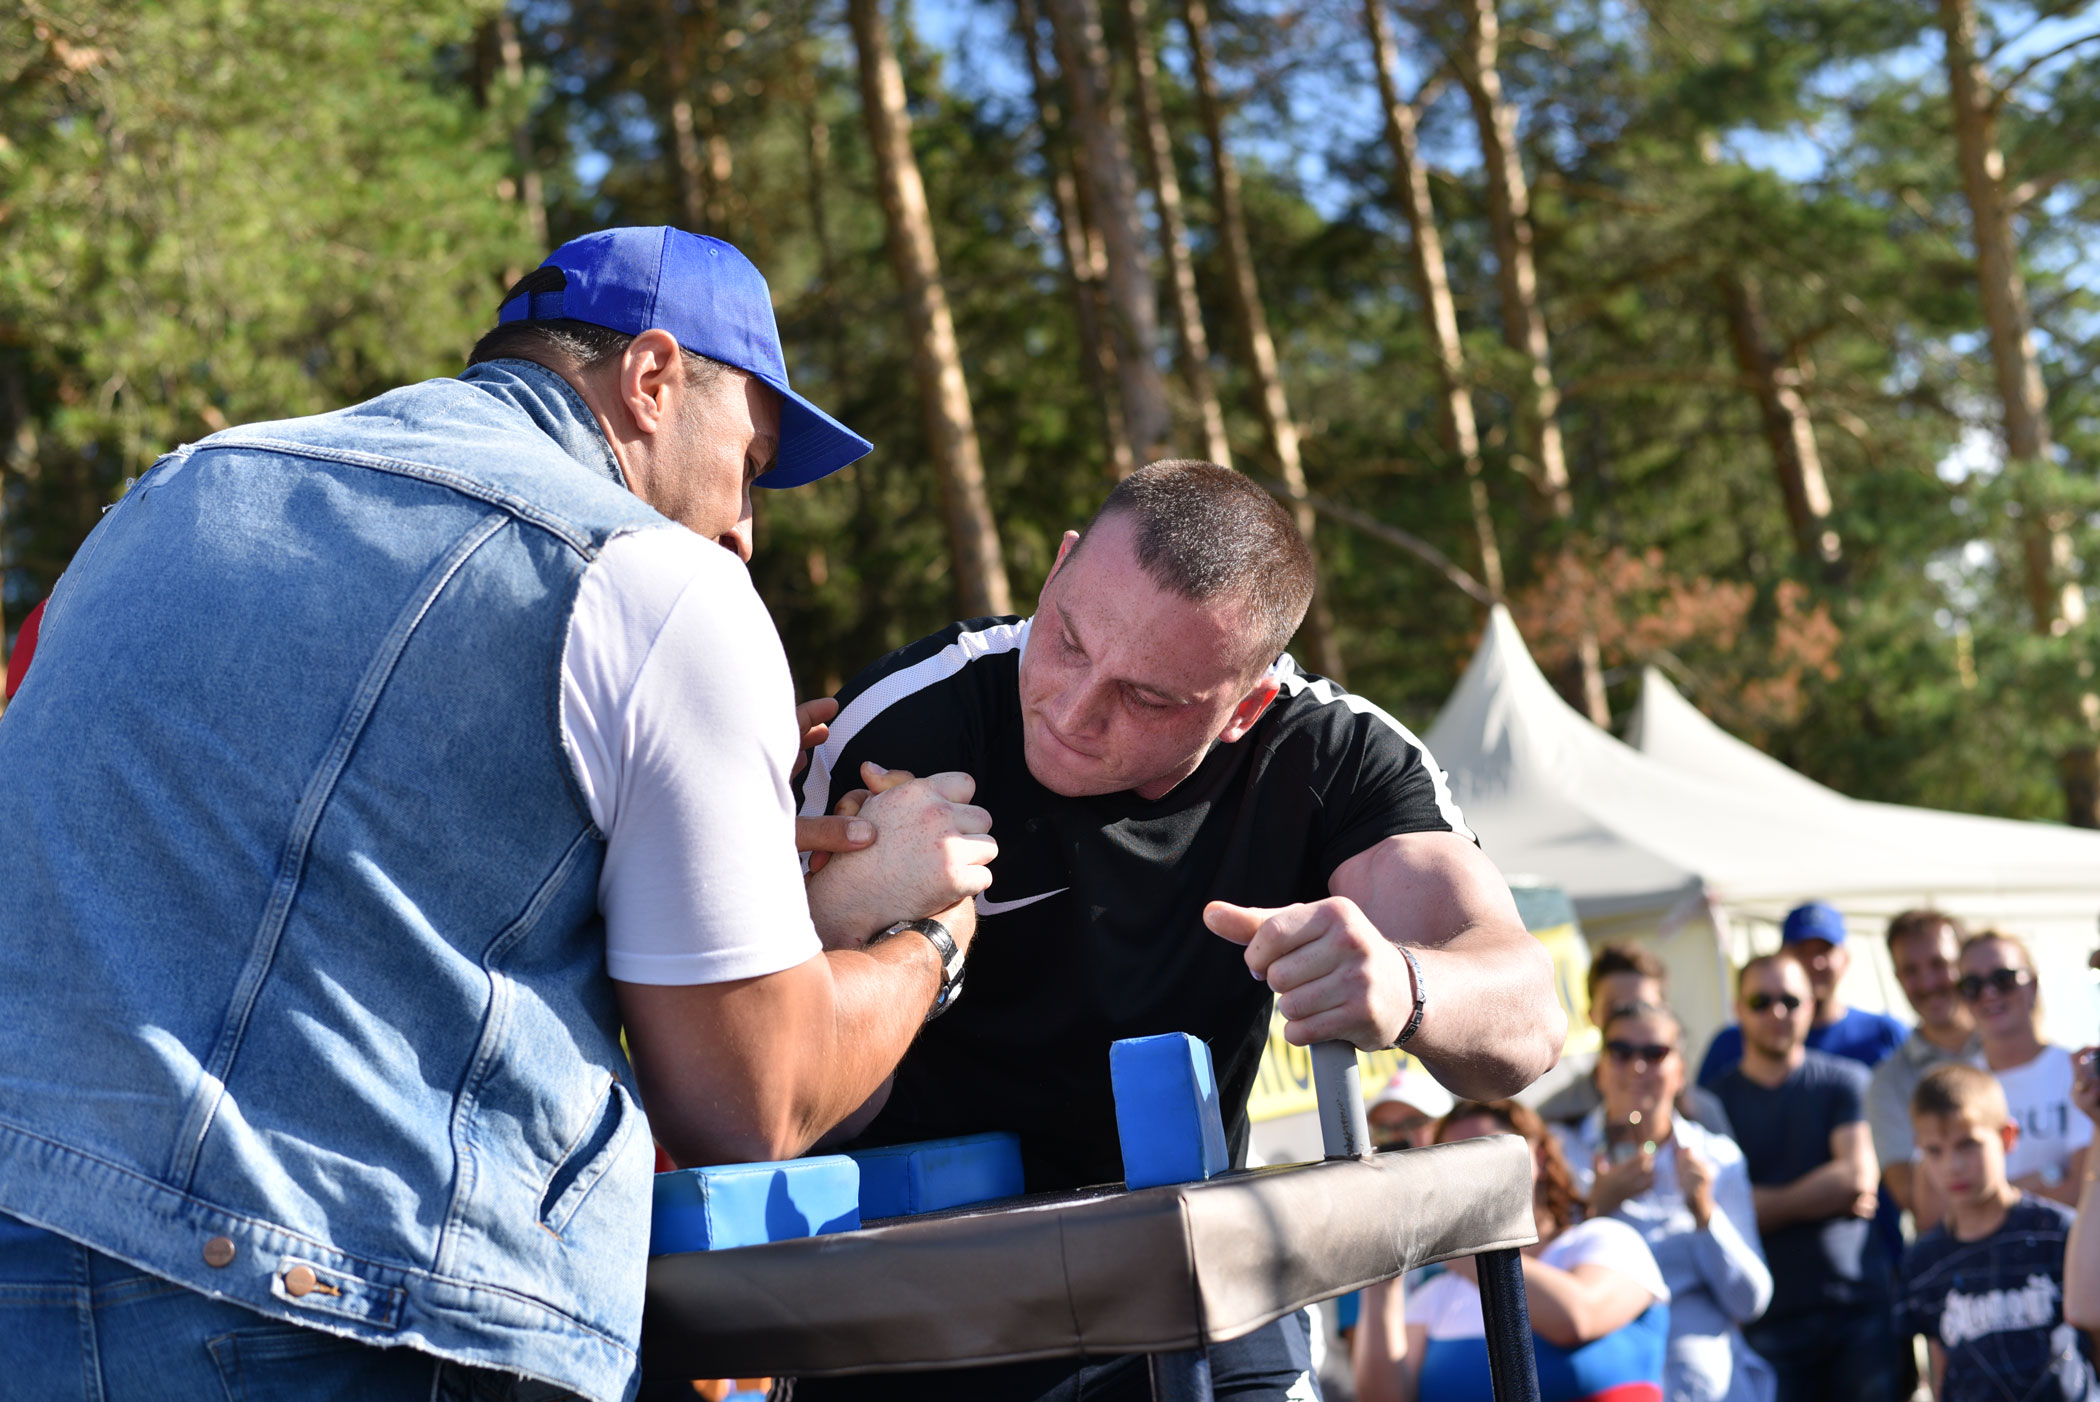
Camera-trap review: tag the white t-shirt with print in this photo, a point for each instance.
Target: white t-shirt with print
(1450, 1304)
(2051, 1128)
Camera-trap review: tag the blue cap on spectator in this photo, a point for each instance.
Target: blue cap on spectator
(1814, 921)
(708, 295)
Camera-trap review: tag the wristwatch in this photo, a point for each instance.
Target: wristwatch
(2051, 1174)
(951, 960)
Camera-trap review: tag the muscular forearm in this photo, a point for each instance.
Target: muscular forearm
(782, 1058)
(1821, 1193)
(1482, 984)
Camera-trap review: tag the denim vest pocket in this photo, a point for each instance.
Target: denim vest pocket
(594, 1151)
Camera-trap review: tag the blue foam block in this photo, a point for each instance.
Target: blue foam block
(1167, 1110)
(749, 1204)
(904, 1179)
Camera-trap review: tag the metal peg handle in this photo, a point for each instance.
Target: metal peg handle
(1344, 1132)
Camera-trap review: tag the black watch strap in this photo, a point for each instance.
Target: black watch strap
(951, 960)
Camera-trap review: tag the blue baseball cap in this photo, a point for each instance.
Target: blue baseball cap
(708, 295)
(1814, 921)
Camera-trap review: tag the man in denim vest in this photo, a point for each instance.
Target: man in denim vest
(375, 770)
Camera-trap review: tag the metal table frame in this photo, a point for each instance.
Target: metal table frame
(1346, 1133)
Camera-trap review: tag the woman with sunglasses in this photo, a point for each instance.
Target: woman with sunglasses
(1686, 1190)
(1600, 1313)
(1998, 983)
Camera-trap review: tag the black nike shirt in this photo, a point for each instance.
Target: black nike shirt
(1093, 930)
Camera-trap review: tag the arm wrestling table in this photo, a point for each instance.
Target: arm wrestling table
(1162, 1271)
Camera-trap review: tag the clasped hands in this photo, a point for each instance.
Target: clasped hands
(902, 848)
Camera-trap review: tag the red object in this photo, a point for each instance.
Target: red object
(25, 646)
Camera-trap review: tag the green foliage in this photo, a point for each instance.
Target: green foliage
(220, 210)
(214, 211)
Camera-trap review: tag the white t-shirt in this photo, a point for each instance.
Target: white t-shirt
(679, 719)
(2051, 1127)
(1450, 1304)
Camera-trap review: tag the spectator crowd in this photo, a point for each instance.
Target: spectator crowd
(1833, 1187)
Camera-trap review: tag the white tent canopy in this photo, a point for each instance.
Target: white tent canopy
(1698, 843)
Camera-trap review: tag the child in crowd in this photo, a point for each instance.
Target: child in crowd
(1985, 1287)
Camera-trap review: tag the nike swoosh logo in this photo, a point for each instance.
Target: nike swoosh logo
(985, 907)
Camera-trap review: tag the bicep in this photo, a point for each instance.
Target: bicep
(1428, 888)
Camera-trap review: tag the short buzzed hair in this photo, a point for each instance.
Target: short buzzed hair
(1923, 921)
(1205, 532)
(1742, 975)
(1611, 960)
(1955, 1088)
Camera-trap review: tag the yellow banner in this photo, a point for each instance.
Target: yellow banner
(1284, 1084)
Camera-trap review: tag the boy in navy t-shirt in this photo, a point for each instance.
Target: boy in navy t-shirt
(1985, 1287)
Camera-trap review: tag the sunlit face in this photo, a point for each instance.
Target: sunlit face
(1824, 962)
(1641, 1068)
(1999, 988)
(1964, 1160)
(1775, 1007)
(727, 435)
(1616, 991)
(1124, 685)
(1926, 967)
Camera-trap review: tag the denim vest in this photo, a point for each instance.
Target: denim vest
(299, 939)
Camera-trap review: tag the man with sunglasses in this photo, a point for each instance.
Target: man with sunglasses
(1800, 1117)
(1813, 934)
(1998, 985)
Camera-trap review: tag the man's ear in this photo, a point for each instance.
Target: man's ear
(1064, 548)
(652, 380)
(1250, 709)
(2010, 1133)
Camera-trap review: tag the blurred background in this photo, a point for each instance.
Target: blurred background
(1751, 341)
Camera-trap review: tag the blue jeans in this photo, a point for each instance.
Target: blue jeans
(75, 1324)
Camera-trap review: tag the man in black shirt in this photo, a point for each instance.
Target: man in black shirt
(1159, 776)
(1801, 1118)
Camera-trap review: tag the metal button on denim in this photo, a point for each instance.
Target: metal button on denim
(219, 1251)
(299, 1280)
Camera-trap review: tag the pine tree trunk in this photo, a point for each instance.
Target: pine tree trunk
(1075, 27)
(1523, 322)
(532, 192)
(1279, 430)
(1789, 432)
(1509, 222)
(688, 163)
(1085, 261)
(2054, 598)
(1174, 234)
(1433, 284)
(951, 435)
